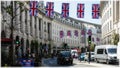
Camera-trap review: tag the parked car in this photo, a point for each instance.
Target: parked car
(64, 57)
(81, 57)
(106, 53)
(91, 56)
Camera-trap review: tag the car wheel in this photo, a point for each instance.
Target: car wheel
(97, 60)
(71, 62)
(107, 61)
(57, 62)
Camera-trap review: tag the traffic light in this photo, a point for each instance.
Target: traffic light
(89, 39)
(17, 40)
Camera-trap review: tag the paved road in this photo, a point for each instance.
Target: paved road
(52, 62)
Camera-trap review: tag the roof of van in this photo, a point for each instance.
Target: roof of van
(107, 46)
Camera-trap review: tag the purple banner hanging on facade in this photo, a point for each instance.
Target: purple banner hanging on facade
(83, 32)
(93, 39)
(89, 32)
(76, 33)
(97, 39)
(69, 33)
(61, 34)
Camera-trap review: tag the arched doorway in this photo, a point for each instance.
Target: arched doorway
(27, 47)
(32, 46)
(40, 45)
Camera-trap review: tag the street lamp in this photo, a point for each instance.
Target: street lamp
(89, 42)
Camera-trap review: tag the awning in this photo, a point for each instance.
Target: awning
(6, 40)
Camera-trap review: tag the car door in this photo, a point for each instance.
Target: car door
(105, 55)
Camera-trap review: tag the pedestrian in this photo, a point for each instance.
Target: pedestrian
(86, 57)
(89, 57)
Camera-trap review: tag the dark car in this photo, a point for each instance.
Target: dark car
(26, 62)
(81, 57)
(64, 57)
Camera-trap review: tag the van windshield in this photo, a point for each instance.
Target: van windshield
(112, 50)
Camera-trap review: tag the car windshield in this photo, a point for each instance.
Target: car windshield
(74, 52)
(65, 53)
(92, 53)
(82, 53)
(112, 50)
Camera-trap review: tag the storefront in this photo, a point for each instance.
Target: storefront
(5, 48)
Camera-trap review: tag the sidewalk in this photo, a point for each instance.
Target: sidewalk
(48, 61)
(98, 64)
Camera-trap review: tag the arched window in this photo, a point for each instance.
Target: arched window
(3, 35)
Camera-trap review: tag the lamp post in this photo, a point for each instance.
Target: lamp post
(89, 43)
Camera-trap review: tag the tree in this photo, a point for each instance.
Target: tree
(115, 38)
(92, 47)
(12, 12)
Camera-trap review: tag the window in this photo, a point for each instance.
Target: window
(39, 24)
(31, 25)
(26, 29)
(100, 51)
(112, 50)
(110, 11)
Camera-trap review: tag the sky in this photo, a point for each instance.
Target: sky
(73, 8)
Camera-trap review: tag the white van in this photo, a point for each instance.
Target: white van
(106, 53)
(74, 53)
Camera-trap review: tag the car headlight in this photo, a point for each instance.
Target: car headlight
(110, 57)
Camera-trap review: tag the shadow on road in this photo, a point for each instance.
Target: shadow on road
(63, 65)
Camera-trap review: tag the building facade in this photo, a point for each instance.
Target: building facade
(28, 29)
(110, 18)
(46, 31)
(72, 24)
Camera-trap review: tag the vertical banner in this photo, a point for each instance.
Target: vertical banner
(82, 32)
(89, 32)
(80, 10)
(61, 34)
(33, 8)
(93, 39)
(97, 39)
(76, 33)
(69, 33)
(95, 11)
(49, 9)
(65, 10)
